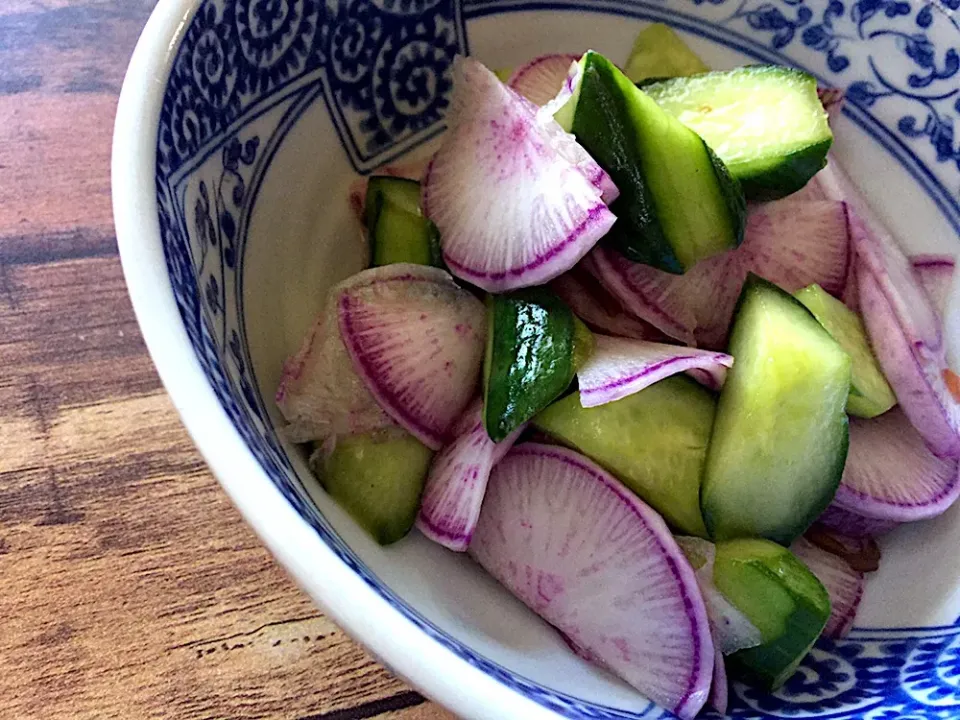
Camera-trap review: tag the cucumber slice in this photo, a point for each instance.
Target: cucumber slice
(780, 435)
(765, 122)
(533, 344)
(870, 393)
(658, 52)
(677, 203)
(378, 479)
(397, 230)
(781, 597)
(655, 441)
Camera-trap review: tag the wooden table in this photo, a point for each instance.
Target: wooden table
(130, 586)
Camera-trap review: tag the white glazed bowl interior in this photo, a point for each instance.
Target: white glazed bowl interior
(257, 206)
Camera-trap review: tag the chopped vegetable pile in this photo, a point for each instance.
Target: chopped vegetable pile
(631, 342)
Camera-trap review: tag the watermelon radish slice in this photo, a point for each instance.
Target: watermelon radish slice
(731, 629)
(890, 474)
(935, 273)
(917, 371)
(789, 243)
(458, 479)
(320, 395)
(589, 557)
(512, 210)
(842, 582)
(863, 553)
(720, 688)
(854, 525)
(597, 308)
(542, 78)
(621, 367)
(416, 339)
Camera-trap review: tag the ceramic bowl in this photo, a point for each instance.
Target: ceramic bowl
(241, 125)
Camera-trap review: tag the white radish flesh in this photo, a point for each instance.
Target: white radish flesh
(935, 274)
(593, 560)
(597, 308)
(542, 78)
(619, 367)
(511, 209)
(416, 339)
(458, 479)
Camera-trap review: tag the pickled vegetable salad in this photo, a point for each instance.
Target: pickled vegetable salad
(578, 356)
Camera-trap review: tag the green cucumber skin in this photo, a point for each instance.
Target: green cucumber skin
(790, 175)
(397, 231)
(655, 441)
(531, 342)
(759, 578)
(725, 516)
(378, 479)
(605, 125)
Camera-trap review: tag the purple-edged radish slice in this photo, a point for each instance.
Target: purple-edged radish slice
(843, 584)
(731, 629)
(890, 474)
(542, 78)
(917, 372)
(511, 209)
(597, 308)
(621, 367)
(854, 525)
(882, 256)
(417, 340)
(589, 557)
(320, 395)
(458, 481)
(935, 273)
(719, 688)
(863, 553)
(791, 244)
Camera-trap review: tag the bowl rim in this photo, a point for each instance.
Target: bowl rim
(338, 591)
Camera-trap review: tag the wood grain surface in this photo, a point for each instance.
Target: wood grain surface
(130, 586)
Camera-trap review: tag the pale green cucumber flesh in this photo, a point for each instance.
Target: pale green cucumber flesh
(658, 52)
(402, 237)
(870, 393)
(403, 192)
(780, 597)
(765, 122)
(530, 357)
(780, 435)
(676, 206)
(378, 478)
(655, 441)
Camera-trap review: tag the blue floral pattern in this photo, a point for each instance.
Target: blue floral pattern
(383, 69)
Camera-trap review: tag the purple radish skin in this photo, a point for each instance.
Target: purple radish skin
(843, 584)
(719, 689)
(935, 274)
(416, 339)
(589, 557)
(620, 367)
(512, 210)
(458, 480)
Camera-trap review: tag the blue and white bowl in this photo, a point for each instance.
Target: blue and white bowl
(241, 125)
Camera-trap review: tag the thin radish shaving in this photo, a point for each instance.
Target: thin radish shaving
(853, 524)
(458, 481)
(592, 559)
(916, 371)
(731, 629)
(416, 339)
(542, 78)
(935, 274)
(890, 474)
(621, 367)
(791, 244)
(844, 585)
(597, 308)
(719, 688)
(320, 395)
(512, 210)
